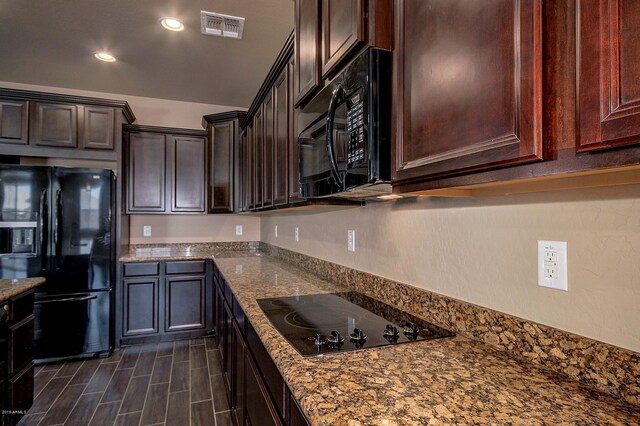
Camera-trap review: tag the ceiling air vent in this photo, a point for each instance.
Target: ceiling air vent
(216, 24)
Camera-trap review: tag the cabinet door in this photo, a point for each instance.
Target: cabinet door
(140, 306)
(54, 125)
(21, 344)
(307, 49)
(294, 171)
(281, 138)
(296, 417)
(242, 173)
(13, 122)
(267, 152)
(608, 74)
(468, 86)
(185, 303)
(20, 395)
(250, 170)
(225, 353)
(238, 401)
(260, 412)
(146, 183)
(221, 167)
(343, 29)
(258, 144)
(219, 314)
(98, 128)
(188, 177)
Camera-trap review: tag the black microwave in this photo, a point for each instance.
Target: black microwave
(345, 151)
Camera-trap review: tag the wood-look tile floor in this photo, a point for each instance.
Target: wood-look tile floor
(170, 383)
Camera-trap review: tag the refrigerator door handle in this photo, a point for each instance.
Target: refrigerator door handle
(58, 221)
(44, 231)
(68, 299)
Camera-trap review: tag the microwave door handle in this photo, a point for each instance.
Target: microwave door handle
(44, 231)
(336, 97)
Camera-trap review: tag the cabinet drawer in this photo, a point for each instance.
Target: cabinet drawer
(20, 345)
(21, 307)
(140, 269)
(186, 267)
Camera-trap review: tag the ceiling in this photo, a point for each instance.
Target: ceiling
(52, 43)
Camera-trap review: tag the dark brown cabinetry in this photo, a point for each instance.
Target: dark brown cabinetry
(166, 170)
(608, 74)
(267, 151)
(343, 30)
(256, 391)
(166, 300)
(38, 124)
(225, 161)
(13, 122)
(258, 158)
(16, 360)
(54, 125)
(307, 52)
(469, 86)
(281, 105)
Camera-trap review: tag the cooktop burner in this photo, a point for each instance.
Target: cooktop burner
(320, 324)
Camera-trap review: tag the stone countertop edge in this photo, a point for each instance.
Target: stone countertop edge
(10, 288)
(183, 251)
(468, 381)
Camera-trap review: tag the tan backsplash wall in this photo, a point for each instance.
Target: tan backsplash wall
(148, 111)
(194, 228)
(484, 251)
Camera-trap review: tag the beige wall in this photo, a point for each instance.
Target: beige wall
(484, 251)
(148, 111)
(194, 228)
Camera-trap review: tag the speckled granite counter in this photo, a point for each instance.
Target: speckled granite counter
(197, 251)
(448, 381)
(11, 288)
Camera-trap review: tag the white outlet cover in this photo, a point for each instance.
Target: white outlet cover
(275, 231)
(552, 265)
(146, 230)
(351, 240)
(296, 234)
(238, 229)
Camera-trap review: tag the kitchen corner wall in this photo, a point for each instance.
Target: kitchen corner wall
(484, 251)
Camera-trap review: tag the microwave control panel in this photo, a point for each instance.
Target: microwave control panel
(355, 128)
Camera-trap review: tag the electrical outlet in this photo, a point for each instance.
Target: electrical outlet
(351, 240)
(238, 229)
(275, 231)
(552, 264)
(296, 234)
(146, 230)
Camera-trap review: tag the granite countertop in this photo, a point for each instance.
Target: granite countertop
(196, 251)
(446, 381)
(11, 288)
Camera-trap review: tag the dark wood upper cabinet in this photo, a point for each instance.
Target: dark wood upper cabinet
(249, 173)
(166, 171)
(468, 86)
(281, 137)
(258, 159)
(188, 173)
(98, 128)
(267, 152)
(225, 161)
(608, 74)
(14, 122)
(307, 49)
(343, 30)
(54, 125)
(146, 180)
(293, 174)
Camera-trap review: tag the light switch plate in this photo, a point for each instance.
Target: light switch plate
(238, 229)
(552, 265)
(146, 230)
(351, 240)
(275, 231)
(297, 234)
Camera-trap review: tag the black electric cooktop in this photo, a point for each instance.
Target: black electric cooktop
(321, 324)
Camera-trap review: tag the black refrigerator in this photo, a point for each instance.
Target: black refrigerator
(57, 223)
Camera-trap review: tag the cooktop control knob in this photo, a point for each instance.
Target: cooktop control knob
(391, 333)
(358, 338)
(335, 340)
(411, 330)
(317, 340)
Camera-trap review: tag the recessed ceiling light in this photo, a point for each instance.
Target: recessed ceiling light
(104, 56)
(172, 24)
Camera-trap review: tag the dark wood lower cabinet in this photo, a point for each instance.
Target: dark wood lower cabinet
(166, 301)
(256, 391)
(16, 357)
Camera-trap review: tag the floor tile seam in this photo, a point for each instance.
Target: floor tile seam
(45, 385)
(111, 380)
(213, 405)
(127, 390)
(91, 378)
(77, 399)
(55, 400)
